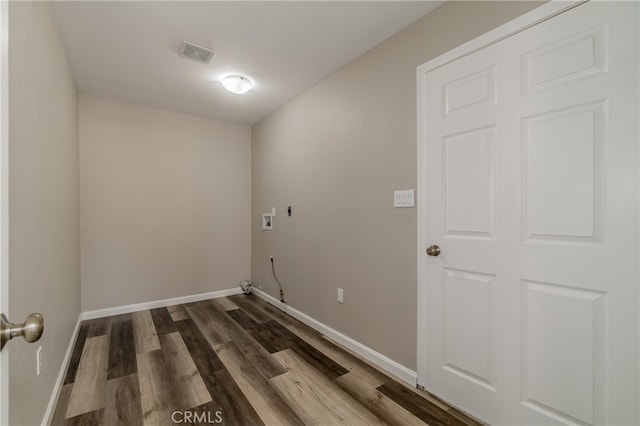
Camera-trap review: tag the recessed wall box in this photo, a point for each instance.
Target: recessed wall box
(267, 222)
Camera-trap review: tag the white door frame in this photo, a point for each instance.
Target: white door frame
(507, 30)
(4, 205)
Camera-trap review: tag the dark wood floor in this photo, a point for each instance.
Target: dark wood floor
(230, 361)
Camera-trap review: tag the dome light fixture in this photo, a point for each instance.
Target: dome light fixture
(237, 84)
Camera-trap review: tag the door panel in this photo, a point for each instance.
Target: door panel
(562, 339)
(467, 331)
(566, 60)
(550, 141)
(470, 91)
(530, 166)
(469, 170)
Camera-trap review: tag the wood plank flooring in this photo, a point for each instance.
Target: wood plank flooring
(229, 361)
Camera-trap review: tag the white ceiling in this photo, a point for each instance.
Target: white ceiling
(128, 50)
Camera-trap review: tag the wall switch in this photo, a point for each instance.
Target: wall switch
(340, 295)
(39, 366)
(404, 198)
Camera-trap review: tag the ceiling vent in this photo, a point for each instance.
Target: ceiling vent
(197, 53)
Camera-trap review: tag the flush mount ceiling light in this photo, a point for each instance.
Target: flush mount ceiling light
(237, 84)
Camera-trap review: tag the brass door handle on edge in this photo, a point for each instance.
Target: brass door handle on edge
(433, 250)
(31, 329)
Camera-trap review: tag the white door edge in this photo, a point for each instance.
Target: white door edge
(532, 18)
(4, 205)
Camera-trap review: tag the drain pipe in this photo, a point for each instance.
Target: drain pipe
(273, 272)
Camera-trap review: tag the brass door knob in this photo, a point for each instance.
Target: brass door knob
(31, 329)
(433, 250)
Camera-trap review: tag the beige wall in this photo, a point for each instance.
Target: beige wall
(165, 204)
(336, 154)
(44, 239)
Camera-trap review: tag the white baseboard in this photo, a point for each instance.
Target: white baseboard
(57, 388)
(387, 364)
(117, 310)
(99, 313)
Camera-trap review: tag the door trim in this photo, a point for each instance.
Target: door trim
(4, 198)
(529, 19)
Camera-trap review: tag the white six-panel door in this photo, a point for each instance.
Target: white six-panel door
(529, 185)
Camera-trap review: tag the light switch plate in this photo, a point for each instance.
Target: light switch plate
(405, 198)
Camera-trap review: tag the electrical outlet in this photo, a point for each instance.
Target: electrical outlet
(39, 366)
(340, 295)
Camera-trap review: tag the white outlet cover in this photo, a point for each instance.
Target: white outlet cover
(404, 198)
